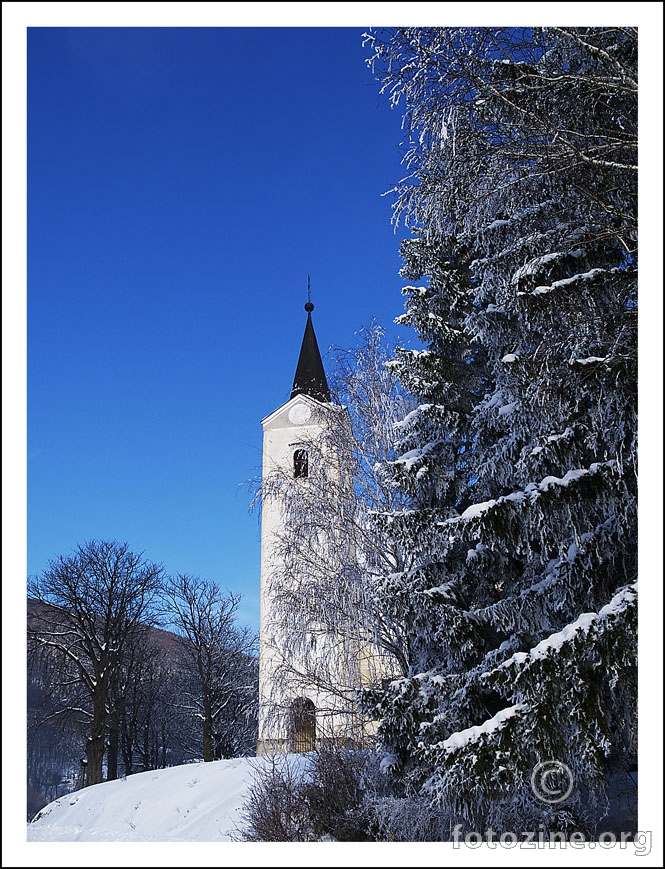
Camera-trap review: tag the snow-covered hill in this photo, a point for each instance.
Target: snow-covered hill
(196, 802)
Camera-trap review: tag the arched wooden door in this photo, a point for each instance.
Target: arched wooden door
(303, 725)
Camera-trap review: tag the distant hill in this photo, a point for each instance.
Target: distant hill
(165, 640)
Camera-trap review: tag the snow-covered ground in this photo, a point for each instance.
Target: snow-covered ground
(196, 802)
(188, 815)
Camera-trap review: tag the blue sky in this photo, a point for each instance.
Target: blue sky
(182, 184)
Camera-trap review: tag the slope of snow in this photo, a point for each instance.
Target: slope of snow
(196, 802)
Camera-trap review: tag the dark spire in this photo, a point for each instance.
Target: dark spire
(310, 377)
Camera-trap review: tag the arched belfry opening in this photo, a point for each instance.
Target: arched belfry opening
(300, 464)
(303, 725)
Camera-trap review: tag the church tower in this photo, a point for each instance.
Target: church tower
(302, 462)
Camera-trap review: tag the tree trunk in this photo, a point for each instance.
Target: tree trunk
(126, 744)
(207, 731)
(81, 781)
(94, 751)
(144, 748)
(163, 761)
(127, 757)
(95, 746)
(114, 745)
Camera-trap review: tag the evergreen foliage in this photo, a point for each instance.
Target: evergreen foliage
(520, 461)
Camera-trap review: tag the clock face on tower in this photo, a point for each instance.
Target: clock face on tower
(299, 414)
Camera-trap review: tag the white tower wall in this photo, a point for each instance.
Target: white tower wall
(296, 425)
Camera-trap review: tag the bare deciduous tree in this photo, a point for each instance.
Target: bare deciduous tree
(215, 653)
(90, 605)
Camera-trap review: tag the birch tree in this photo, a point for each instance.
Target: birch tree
(336, 630)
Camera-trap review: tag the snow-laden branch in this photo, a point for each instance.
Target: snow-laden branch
(530, 493)
(462, 738)
(566, 282)
(624, 598)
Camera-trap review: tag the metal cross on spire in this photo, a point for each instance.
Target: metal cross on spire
(309, 307)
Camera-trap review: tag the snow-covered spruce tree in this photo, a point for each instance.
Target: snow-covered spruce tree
(520, 461)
